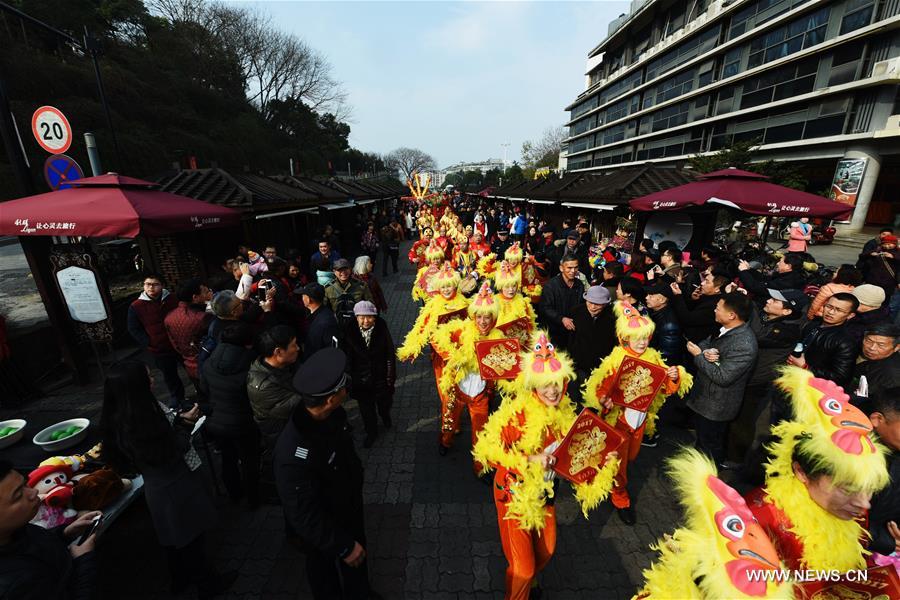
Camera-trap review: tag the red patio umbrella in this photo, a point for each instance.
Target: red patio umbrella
(111, 206)
(743, 190)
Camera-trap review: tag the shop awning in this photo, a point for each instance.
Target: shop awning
(588, 206)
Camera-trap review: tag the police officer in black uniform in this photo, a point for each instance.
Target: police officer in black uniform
(320, 479)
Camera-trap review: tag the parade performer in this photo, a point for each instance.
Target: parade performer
(448, 304)
(822, 471)
(634, 331)
(422, 288)
(536, 415)
(526, 268)
(417, 253)
(460, 382)
(445, 243)
(513, 305)
(712, 555)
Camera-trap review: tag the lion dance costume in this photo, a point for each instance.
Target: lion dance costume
(630, 326)
(835, 436)
(460, 382)
(712, 554)
(525, 426)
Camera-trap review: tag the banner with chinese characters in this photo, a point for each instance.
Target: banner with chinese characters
(498, 359)
(637, 383)
(459, 313)
(584, 449)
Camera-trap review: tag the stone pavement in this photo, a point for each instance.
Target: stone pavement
(431, 525)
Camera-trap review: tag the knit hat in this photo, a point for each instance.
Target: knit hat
(544, 365)
(506, 275)
(830, 431)
(889, 239)
(630, 323)
(484, 303)
(514, 253)
(870, 295)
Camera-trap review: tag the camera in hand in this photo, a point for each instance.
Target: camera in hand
(261, 290)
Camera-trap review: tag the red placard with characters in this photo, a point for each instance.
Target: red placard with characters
(636, 384)
(519, 329)
(584, 449)
(878, 583)
(498, 359)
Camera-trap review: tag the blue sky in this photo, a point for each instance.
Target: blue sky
(456, 79)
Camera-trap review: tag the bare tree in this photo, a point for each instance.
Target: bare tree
(544, 152)
(409, 161)
(275, 65)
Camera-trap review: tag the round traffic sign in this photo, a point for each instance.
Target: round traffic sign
(59, 170)
(51, 129)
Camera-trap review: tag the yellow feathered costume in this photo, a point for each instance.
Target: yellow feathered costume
(524, 268)
(436, 309)
(832, 437)
(709, 557)
(423, 289)
(524, 426)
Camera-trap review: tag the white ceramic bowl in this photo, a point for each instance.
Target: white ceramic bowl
(9, 440)
(43, 440)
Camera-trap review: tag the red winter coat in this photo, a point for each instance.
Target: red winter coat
(186, 325)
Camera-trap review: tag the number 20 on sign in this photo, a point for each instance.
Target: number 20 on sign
(51, 129)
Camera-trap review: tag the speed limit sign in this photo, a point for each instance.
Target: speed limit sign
(51, 129)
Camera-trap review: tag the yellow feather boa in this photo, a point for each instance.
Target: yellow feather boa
(828, 542)
(426, 323)
(608, 367)
(518, 307)
(528, 496)
(461, 356)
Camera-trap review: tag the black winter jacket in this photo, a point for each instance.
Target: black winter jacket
(775, 339)
(558, 301)
(699, 321)
(829, 352)
(319, 479)
(885, 507)
(593, 338)
(224, 382)
(323, 328)
(37, 565)
(667, 336)
(372, 367)
(759, 285)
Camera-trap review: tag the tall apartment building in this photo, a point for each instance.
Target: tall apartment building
(815, 81)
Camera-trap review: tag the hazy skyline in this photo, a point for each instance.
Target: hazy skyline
(455, 79)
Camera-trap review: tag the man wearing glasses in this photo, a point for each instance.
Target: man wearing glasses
(828, 351)
(146, 325)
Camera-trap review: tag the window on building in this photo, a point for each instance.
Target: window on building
(758, 13)
(683, 52)
(616, 89)
(777, 84)
(800, 33)
(857, 14)
(725, 101)
(583, 107)
(845, 63)
(731, 63)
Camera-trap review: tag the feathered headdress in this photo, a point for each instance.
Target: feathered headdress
(506, 276)
(832, 432)
(514, 253)
(446, 276)
(484, 303)
(433, 251)
(630, 323)
(720, 544)
(544, 365)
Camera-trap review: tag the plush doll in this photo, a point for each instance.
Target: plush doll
(720, 551)
(54, 486)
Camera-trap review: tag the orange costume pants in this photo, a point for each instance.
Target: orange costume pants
(628, 451)
(451, 412)
(527, 552)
